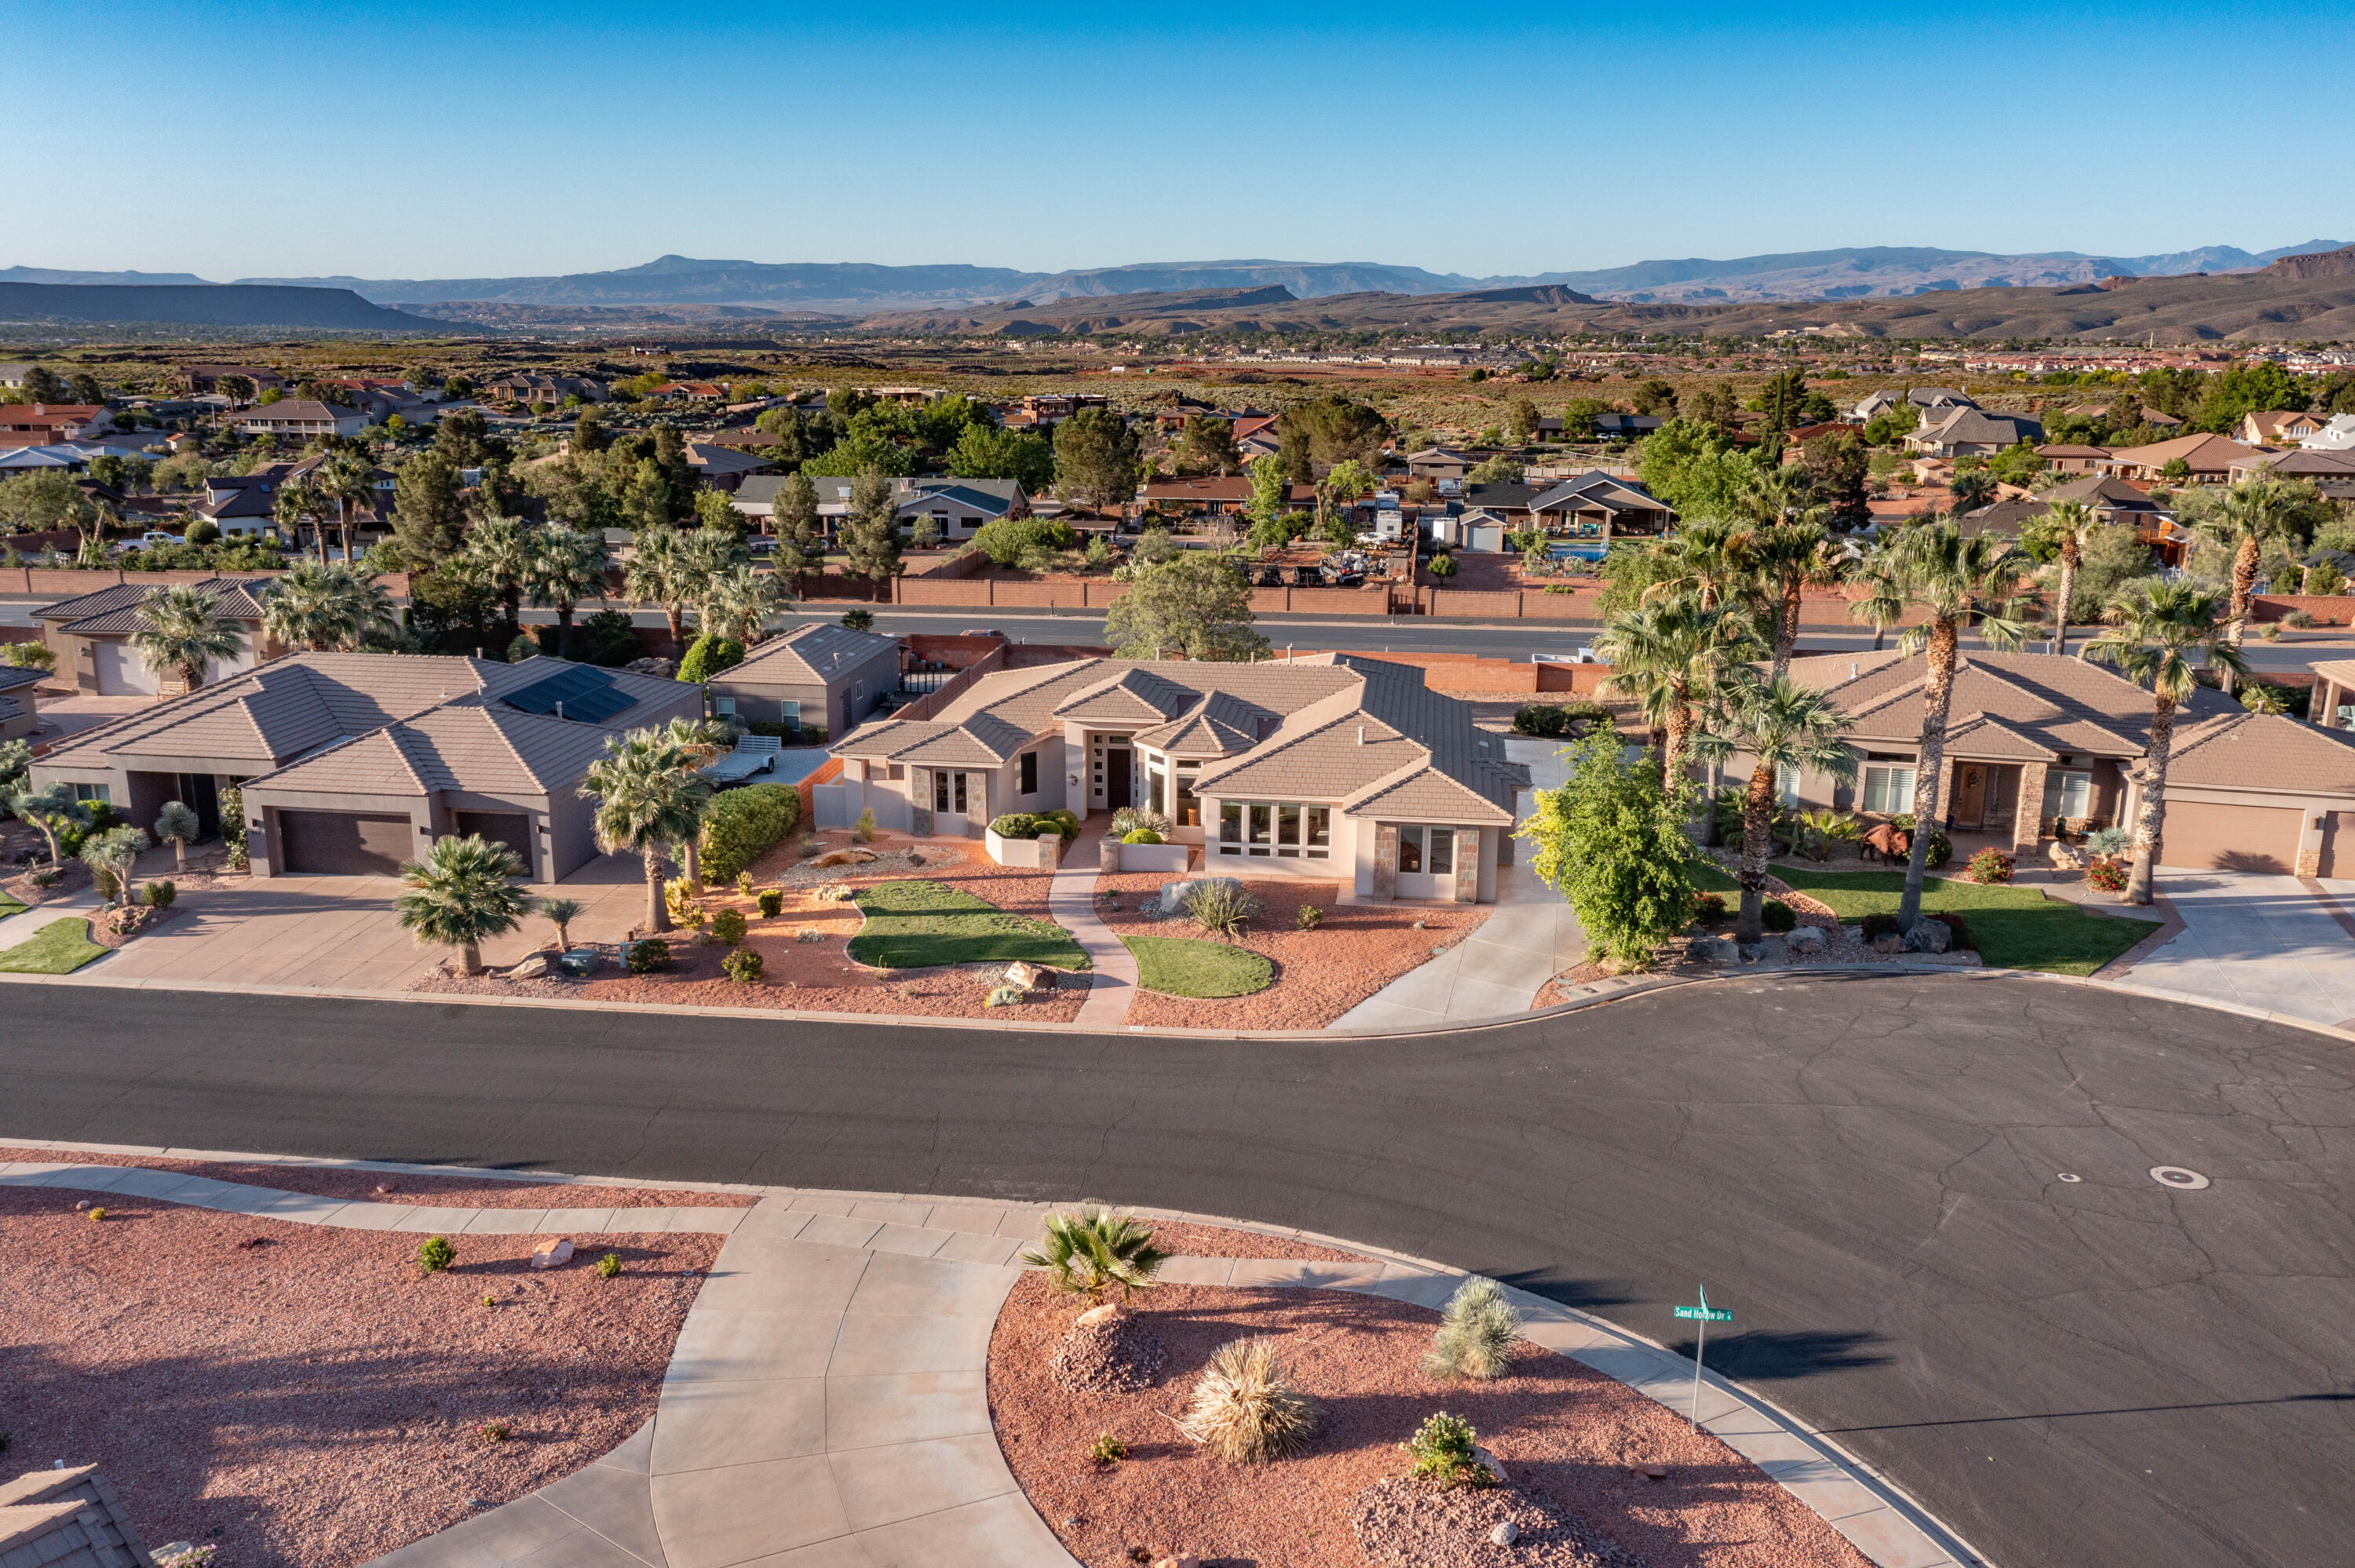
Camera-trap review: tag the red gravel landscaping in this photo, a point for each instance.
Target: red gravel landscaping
(1182, 1240)
(1565, 1434)
(441, 1192)
(1319, 974)
(316, 1402)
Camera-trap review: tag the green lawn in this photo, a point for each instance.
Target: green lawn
(1709, 878)
(2015, 927)
(910, 925)
(9, 906)
(58, 948)
(1193, 966)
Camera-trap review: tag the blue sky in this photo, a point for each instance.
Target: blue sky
(488, 139)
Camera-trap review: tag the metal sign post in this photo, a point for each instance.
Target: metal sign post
(1703, 1315)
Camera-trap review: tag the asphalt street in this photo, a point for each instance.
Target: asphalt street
(1874, 1173)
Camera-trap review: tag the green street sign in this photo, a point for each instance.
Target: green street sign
(1706, 1314)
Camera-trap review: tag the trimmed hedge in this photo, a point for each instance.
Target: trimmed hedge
(1016, 825)
(742, 825)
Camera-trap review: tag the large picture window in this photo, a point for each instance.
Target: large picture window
(1288, 829)
(2075, 797)
(1888, 790)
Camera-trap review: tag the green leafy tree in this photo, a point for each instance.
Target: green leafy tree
(1205, 444)
(1696, 468)
(181, 631)
(428, 519)
(1611, 840)
(1657, 399)
(37, 503)
(710, 655)
(1520, 420)
(650, 795)
(1346, 481)
(1197, 603)
(563, 567)
(1783, 726)
(1096, 459)
(461, 893)
(1326, 430)
(2156, 629)
(1837, 464)
(2244, 389)
(1678, 661)
(984, 451)
(870, 533)
(53, 812)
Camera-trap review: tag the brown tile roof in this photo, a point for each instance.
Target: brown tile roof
(2204, 454)
(470, 743)
(2063, 704)
(1134, 695)
(809, 654)
(1218, 725)
(115, 609)
(2239, 750)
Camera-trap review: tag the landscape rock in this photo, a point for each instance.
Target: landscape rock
(553, 1253)
(1888, 942)
(1029, 977)
(1854, 934)
(1708, 949)
(1929, 936)
(1108, 1312)
(2065, 858)
(1806, 939)
(1175, 893)
(532, 968)
(1505, 1532)
(1183, 1560)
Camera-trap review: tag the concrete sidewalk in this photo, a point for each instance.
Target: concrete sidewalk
(1495, 972)
(1072, 903)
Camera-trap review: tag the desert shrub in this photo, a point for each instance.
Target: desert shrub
(743, 885)
(1881, 924)
(1309, 917)
(1108, 1450)
(1475, 1333)
(772, 901)
(1222, 908)
(728, 925)
(1004, 996)
(1016, 825)
(1140, 836)
(2299, 619)
(1989, 865)
(1708, 906)
(710, 655)
(1007, 540)
(739, 826)
(2106, 876)
(1777, 916)
(1959, 929)
(742, 965)
(435, 1253)
(609, 1265)
(496, 1430)
(1088, 1252)
(1547, 720)
(1446, 1450)
(1442, 566)
(1128, 819)
(233, 828)
(2109, 843)
(864, 829)
(649, 957)
(1242, 1407)
(160, 894)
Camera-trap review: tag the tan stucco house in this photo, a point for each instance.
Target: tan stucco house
(1336, 767)
(91, 634)
(826, 675)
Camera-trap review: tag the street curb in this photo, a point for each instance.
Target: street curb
(1912, 1513)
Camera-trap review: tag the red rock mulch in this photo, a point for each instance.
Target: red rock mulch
(398, 1187)
(819, 977)
(1183, 1240)
(317, 1401)
(1319, 974)
(1564, 1434)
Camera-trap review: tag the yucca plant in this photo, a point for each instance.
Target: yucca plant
(1475, 1333)
(1244, 1410)
(1090, 1251)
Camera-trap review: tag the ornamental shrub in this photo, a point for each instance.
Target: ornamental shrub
(739, 826)
(728, 925)
(1016, 825)
(1445, 1451)
(1008, 539)
(435, 1253)
(1066, 823)
(1547, 720)
(710, 655)
(1989, 865)
(1708, 906)
(649, 956)
(1309, 917)
(863, 829)
(1141, 836)
(1004, 996)
(1777, 916)
(1612, 842)
(741, 965)
(772, 902)
(160, 894)
(2106, 876)
(1882, 924)
(1128, 819)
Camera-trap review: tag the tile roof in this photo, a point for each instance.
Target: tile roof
(115, 609)
(14, 675)
(816, 653)
(2204, 454)
(2060, 703)
(482, 747)
(2239, 750)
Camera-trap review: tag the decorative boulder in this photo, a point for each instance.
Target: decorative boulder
(1806, 939)
(1853, 933)
(1175, 893)
(1708, 949)
(1889, 942)
(1505, 1533)
(2065, 858)
(553, 1253)
(1108, 1312)
(532, 968)
(1029, 977)
(1929, 936)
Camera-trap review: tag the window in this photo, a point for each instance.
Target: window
(1155, 785)
(1188, 813)
(1231, 827)
(1262, 821)
(1320, 832)
(1888, 790)
(2076, 796)
(948, 787)
(789, 713)
(1786, 787)
(1442, 852)
(1288, 829)
(1029, 773)
(92, 792)
(1410, 856)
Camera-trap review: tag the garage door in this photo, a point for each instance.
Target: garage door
(2200, 836)
(120, 671)
(512, 828)
(342, 844)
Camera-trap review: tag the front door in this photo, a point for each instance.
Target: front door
(1971, 794)
(200, 792)
(1116, 785)
(954, 801)
(1426, 862)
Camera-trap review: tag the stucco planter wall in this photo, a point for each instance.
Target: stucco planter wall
(1118, 857)
(1039, 854)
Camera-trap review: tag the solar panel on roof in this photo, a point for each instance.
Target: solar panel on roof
(581, 692)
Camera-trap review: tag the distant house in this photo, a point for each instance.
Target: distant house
(1934, 399)
(1594, 509)
(824, 675)
(2064, 458)
(1624, 427)
(20, 708)
(526, 387)
(2332, 474)
(91, 634)
(49, 424)
(725, 467)
(208, 377)
(12, 374)
(1972, 432)
(1213, 496)
(1437, 463)
(2279, 426)
(688, 389)
(2209, 458)
(2338, 434)
(958, 507)
(301, 419)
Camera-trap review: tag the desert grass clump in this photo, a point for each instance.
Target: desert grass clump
(1475, 1333)
(1108, 1451)
(1222, 908)
(1092, 1251)
(1244, 1410)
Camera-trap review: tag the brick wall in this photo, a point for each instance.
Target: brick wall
(2327, 610)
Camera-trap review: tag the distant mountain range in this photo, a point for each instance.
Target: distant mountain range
(230, 306)
(858, 289)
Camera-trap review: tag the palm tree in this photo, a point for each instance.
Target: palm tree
(1783, 493)
(560, 912)
(660, 573)
(566, 566)
(179, 629)
(1961, 583)
(2154, 627)
(1972, 489)
(178, 826)
(739, 603)
(2071, 518)
(1883, 604)
(1093, 1251)
(1784, 726)
(460, 893)
(649, 794)
(1790, 558)
(498, 553)
(299, 503)
(1677, 660)
(350, 484)
(320, 606)
(2246, 516)
(1704, 558)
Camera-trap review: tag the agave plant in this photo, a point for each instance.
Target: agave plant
(1090, 1251)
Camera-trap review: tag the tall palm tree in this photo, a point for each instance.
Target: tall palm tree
(1783, 493)
(566, 566)
(649, 796)
(323, 607)
(739, 602)
(2071, 518)
(300, 503)
(179, 629)
(2154, 629)
(1961, 583)
(1788, 558)
(1677, 661)
(1972, 489)
(2246, 516)
(498, 553)
(1704, 558)
(1781, 724)
(659, 573)
(461, 893)
(698, 742)
(1883, 604)
(350, 482)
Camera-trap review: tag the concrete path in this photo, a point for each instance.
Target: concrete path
(2256, 941)
(827, 1403)
(1072, 903)
(21, 926)
(1530, 938)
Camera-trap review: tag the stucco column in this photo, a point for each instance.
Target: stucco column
(2028, 812)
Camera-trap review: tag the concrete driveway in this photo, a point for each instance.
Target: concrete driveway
(2280, 943)
(1493, 973)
